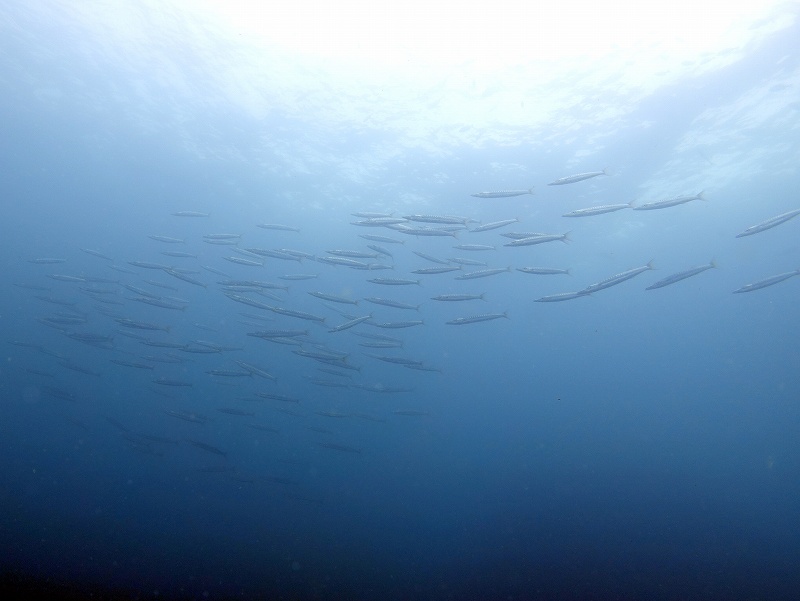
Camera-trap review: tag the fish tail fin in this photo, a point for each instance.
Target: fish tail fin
(530, 191)
(713, 263)
(569, 271)
(650, 264)
(701, 195)
(631, 204)
(566, 239)
(483, 296)
(505, 314)
(607, 171)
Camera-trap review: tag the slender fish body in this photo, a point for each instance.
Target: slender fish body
(769, 223)
(502, 193)
(681, 275)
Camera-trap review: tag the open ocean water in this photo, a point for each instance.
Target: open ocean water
(261, 339)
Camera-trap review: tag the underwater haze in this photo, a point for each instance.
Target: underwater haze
(468, 303)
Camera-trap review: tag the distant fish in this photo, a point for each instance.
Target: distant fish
(334, 298)
(278, 227)
(543, 270)
(97, 253)
(460, 321)
(166, 239)
(394, 282)
(539, 239)
(769, 223)
(670, 202)
(482, 273)
(493, 225)
(474, 247)
(190, 214)
(617, 279)
(770, 281)
(458, 297)
(349, 324)
(598, 210)
(206, 447)
(578, 177)
(564, 296)
(502, 193)
(46, 261)
(682, 275)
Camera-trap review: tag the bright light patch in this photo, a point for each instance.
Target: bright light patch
(495, 34)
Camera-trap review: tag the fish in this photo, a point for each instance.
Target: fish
(343, 261)
(564, 296)
(482, 273)
(188, 416)
(394, 282)
(222, 236)
(189, 214)
(474, 247)
(277, 397)
(353, 254)
(539, 239)
(97, 253)
(502, 193)
(167, 239)
(769, 223)
(376, 300)
(400, 324)
(681, 275)
(617, 279)
(543, 270)
(670, 202)
(339, 447)
(242, 261)
(278, 333)
(298, 314)
(169, 382)
(441, 219)
(139, 325)
(385, 239)
(431, 258)
(600, 210)
(435, 270)
(255, 371)
(182, 276)
(279, 227)
(460, 321)
(230, 373)
(206, 447)
(458, 297)
(179, 254)
(770, 281)
(46, 261)
(380, 250)
(470, 262)
(493, 225)
(349, 324)
(427, 231)
(334, 298)
(578, 177)
(234, 411)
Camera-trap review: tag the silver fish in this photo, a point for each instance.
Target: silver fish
(682, 275)
(670, 202)
(502, 193)
(769, 223)
(578, 177)
(770, 281)
(598, 210)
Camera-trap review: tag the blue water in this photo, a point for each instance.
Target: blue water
(625, 444)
